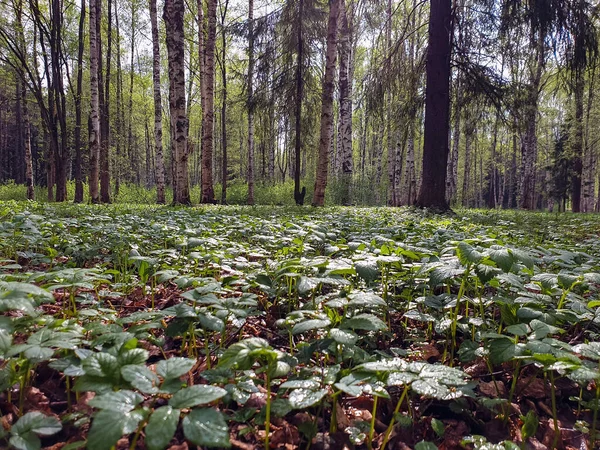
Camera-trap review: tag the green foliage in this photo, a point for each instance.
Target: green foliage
(151, 309)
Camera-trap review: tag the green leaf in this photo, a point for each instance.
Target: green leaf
(523, 256)
(120, 401)
(161, 427)
(25, 441)
(309, 325)
(243, 354)
(5, 342)
(174, 367)
(502, 350)
(37, 423)
(442, 273)
(206, 427)
(304, 398)
(141, 378)
(366, 300)
(502, 257)
(300, 384)
(530, 425)
(343, 337)
(367, 322)
(438, 426)
(199, 394)
(425, 445)
(133, 357)
(467, 254)
(367, 270)
(519, 329)
(106, 430)
(101, 365)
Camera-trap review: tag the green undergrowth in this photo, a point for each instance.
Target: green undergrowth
(138, 326)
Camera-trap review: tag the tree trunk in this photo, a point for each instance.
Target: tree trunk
(158, 131)
(529, 144)
(589, 173)
(23, 122)
(224, 106)
(345, 87)
(79, 89)
(208, 194)
(327, 104)
(437, 107)
(105, 117)
(94, 109)
(251, 102)
(299, 195)
(410, 182)
(173, 17)
(577, 143)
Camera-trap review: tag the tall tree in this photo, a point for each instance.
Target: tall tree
(94, 128)
(105, 113)
(158, 131)
(173, 16)
(224, 169)
(437, 107)
(78, 122)
(299, 194)
(207, 189)
(24, 124)
(345, 88)
(250, 105)
(327, 104)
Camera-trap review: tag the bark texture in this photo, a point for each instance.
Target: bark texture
(327, 105)
(173, 17)
(208, 193)
(158, 131)
(437, 107)
(94, 132)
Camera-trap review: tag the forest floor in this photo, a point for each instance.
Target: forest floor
(154, 327)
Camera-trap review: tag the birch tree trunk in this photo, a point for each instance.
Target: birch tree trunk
(327, 104)
(410, 182)
(158, 131)
(577, 143)
(94, 134)
(345, 86)
(589, 169)
(208, 194)
(173, 17)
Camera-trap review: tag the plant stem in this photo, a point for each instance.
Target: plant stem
(268, 411)
(372, 429)
(388, 431)
(554, 412)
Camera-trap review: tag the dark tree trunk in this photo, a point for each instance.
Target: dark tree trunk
(105, 117)
(437, 107)
(158, 132)
(208, 193)
(298, 194)
(78, 156)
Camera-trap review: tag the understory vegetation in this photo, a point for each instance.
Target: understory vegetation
(153, 327)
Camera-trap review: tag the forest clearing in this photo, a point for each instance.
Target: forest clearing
(155, 327)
